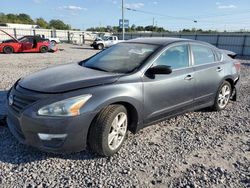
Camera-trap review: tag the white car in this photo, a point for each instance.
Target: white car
(53, 40)
(105, 42)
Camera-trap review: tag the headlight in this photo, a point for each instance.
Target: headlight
(68, 107)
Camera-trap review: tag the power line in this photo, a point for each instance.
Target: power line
(153, 13)
(222, 15)
(182, 18)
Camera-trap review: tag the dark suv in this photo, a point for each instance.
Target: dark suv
(126, 87)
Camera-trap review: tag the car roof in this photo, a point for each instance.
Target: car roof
(31, 36)
(163, 41)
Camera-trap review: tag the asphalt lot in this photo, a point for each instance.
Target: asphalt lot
(198, 149)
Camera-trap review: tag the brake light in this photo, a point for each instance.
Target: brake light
(237, 66)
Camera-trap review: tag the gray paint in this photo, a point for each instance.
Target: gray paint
(154, 97)
(151, 96)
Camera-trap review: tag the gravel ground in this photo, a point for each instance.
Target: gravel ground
(198, 149)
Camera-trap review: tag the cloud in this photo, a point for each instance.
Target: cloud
(72, 8)
(226, 6)
(38, 1)
(114, 2)
(134, 5)
(155, 2)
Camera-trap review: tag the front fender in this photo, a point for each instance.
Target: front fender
(124, 93)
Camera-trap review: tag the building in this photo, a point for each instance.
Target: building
(19, 26)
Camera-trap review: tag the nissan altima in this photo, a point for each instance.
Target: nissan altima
(124, 88)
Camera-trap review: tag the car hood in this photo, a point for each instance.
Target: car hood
(66, 78)
(8, 41)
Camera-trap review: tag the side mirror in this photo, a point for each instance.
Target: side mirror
(160, 69)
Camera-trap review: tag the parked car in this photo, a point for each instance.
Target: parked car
(105, 42)
(28, 43)
(53, 40)
(126, 87)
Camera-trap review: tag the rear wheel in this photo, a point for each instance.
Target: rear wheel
(8, 50)
(223, 96)
(108, 130)
(44, 49)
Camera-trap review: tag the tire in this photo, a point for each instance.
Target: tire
(103, 137)
(100, 46)
(222, 97)
(8, 50)
(44, 49)
(53, 42)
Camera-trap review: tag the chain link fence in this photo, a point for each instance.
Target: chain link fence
(70, 36)
(238, 43)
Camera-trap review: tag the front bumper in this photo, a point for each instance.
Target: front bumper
(27, 125)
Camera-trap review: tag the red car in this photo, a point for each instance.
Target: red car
(26, 44)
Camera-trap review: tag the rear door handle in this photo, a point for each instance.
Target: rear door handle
(219, 69)
(189, 77)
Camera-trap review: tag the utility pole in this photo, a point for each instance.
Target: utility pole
(123, 29)
(153, 24)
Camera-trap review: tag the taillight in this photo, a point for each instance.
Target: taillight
(237, 65)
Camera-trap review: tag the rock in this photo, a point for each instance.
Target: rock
(163, 155)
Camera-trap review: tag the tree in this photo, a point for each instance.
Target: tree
(160, 29)
(25, 19)
(140, 28)
(3, 18)
(133, 28)
(42, 23)
(59, 24)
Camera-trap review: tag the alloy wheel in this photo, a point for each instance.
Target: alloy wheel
(224, 96)
(117, 131)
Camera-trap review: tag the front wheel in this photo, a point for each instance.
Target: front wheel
(108, 130)
(44, 49)
(8, 50)
(223, 96)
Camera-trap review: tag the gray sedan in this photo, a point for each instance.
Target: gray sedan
(124, 88)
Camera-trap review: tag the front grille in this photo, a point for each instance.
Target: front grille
(20, 102)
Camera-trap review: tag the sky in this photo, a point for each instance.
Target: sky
(172, 15)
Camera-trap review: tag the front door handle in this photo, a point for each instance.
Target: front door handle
(219, 69)
(189, 77)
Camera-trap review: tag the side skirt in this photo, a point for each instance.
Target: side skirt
(174, 114)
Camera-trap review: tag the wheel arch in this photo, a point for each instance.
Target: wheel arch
(234, 90)
(133, 109)
(229, 79)
(44, 46)
(9, 47)
(133, 117)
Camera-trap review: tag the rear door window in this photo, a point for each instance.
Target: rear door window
(218, 55)
(177, 57)
(202, 54)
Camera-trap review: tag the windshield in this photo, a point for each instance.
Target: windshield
(105, 38)
(121, 58)
(22, 38)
